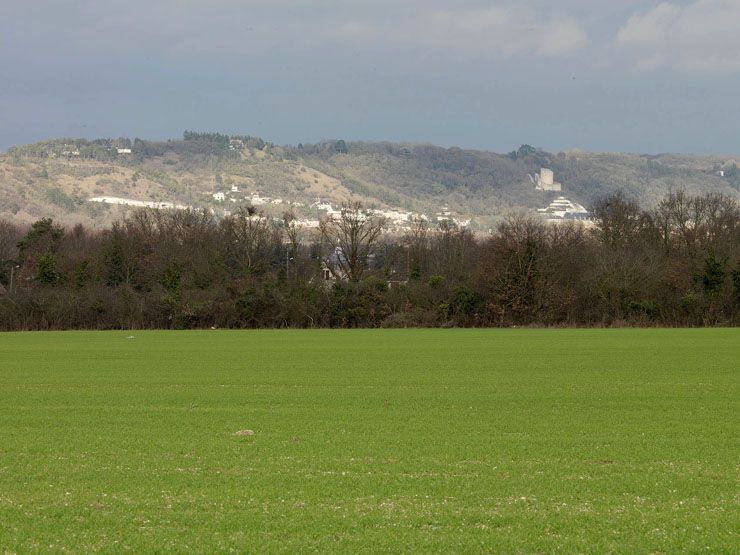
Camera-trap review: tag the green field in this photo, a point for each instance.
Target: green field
(421, 440)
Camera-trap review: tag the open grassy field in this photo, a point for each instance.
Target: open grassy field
(420, 440)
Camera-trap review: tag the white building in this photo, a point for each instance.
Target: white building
(307, 223)
(545, 181)
(325, 206)
(563, 209)
(395, 217)
(321, 205)
(445, 215)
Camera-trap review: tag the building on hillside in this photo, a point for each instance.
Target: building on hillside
(326, 206)
(307, 223)
(563, 209)
(445, 215)
(322, 205)
(545, 181)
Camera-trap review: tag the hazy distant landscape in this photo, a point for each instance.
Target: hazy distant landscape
(57, 177)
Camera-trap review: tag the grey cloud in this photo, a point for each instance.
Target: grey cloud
(699, 36)
(484, 73)
(499, 31)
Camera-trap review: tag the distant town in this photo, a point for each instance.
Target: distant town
(560, 209)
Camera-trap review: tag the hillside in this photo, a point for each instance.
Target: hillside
(58, 177)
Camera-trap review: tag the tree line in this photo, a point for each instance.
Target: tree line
(193, 145)
(676, 264)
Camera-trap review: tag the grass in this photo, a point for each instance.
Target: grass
(421, 440)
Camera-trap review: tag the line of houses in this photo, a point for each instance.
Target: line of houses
(139, 203)
(255, 199)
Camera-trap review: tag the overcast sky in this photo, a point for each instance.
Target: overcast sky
(626, 75)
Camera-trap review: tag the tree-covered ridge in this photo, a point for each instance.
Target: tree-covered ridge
(55, 178)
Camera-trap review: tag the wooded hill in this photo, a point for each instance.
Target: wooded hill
(56, 177)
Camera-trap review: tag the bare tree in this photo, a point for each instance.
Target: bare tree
(292, 231)
(618, 219)
(10, 234)
(351, 237)
(516, 273)
(416, 241)
(248, 236)
(451, 249)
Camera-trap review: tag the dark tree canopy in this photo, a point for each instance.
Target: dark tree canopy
(676, 265)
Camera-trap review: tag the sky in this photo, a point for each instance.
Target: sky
(599, 75)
